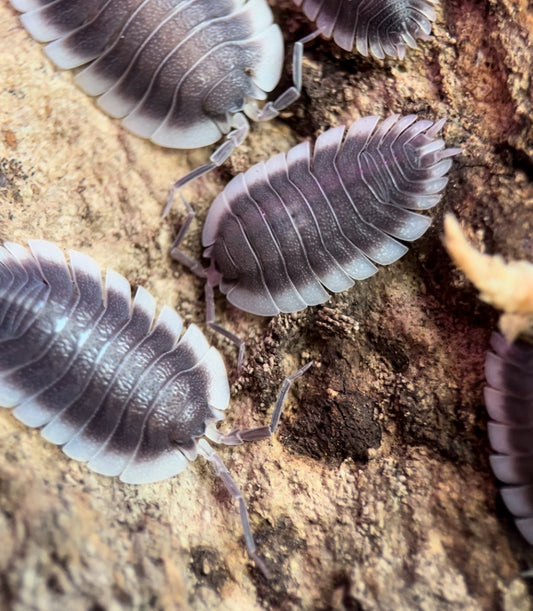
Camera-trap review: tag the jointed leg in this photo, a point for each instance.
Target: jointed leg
(239, 436)
(235, 438)
(195, 266)
(233, 139)
(207, 452)
(199, 270)
(210, 322)
(290, 95)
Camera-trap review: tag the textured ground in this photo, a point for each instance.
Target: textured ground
(376, 494)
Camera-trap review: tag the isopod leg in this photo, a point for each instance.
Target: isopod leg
(210, 322)
(195, 266)
(234, 139)
(239, 436)
(208, 453)
(199, 270)
(240, 130)
(290, 95)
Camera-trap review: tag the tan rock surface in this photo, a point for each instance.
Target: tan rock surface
(376, 493)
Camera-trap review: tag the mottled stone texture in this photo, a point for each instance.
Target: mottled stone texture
(376, 493)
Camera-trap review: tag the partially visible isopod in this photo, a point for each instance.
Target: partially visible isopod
(103, 378)
(376, 27)
(508, 286)
(286, 230)
(180, 72)
(509, 401)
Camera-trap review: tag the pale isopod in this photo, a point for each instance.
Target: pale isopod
(284, 233)
(113, 386)
(509, 401)
(376, 27)
(180, 72)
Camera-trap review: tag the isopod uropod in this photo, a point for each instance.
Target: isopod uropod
(376, 27)
(180, 72)
(127, 394)
(282, 234)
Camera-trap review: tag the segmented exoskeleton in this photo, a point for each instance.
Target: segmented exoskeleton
(180, 72)
(115, 387)
(375, 27)
(286, 231)
(509, 401)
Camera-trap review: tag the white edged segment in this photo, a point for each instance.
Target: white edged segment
(171, 320)
(11, 396)
(508, 439)
(64, 56)
(85, 268)
(525, 526)
(40, 28)
(217, 210)
(267, 71)
(218, 392)
(107, 462)
(52, 264)
(20, 254)
(195, 342)
(359, 268)
(201, 133)
(91, 81)
(332, 138)
(80, 447)
(261, 304)
(362, 130)
(27, 5)
(505, 468)
(412, 229)
(163, 467)
(47, 256)
(59, 431)
(145, 302)
(117, 284)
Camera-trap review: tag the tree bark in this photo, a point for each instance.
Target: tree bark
(376, 492)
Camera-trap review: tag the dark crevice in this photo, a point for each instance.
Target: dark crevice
(515, 158)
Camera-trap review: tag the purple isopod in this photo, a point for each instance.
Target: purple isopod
(376, 27)
(182, 73)
(103, 378)
(509, 401)
(284, 233)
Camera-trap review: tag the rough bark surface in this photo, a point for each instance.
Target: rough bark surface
(376, 492)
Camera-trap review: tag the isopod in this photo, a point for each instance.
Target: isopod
(284, 233)
(376, 27)
(180, 72)
(508, 286)
(509, 402)
(103, 378)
